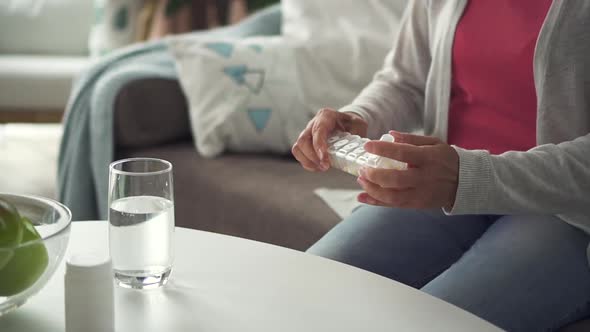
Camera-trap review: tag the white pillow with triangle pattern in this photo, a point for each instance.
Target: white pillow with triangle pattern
(243, 95)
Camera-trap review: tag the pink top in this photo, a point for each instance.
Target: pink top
(493, 101)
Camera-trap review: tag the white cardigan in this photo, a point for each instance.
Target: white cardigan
(412, 92)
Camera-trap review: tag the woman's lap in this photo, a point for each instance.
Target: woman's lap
(409, 246)
(528, 272)
(521, 273)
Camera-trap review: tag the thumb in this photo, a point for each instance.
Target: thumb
(417, 140)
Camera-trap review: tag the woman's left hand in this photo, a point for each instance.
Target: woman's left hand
(429, 182)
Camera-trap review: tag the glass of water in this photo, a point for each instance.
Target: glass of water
(141, 221)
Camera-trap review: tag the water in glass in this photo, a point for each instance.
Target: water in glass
(140, 233)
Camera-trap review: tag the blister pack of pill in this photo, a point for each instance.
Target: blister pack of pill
(347, 153)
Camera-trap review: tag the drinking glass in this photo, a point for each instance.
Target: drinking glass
(141, 222)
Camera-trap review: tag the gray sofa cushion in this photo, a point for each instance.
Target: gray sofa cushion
(150, 112)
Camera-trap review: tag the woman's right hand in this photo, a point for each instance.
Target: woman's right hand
(311, 148)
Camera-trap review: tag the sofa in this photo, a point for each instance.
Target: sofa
(43, 48)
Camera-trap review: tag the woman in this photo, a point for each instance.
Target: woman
(494, 213)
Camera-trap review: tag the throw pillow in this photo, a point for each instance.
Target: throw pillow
(343, 43)
(242, 94)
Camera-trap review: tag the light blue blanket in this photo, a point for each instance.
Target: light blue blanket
(87, 145)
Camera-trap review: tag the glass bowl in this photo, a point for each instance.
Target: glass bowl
(52, 221)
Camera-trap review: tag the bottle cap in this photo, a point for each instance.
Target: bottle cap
(387, 138)
(89, 266)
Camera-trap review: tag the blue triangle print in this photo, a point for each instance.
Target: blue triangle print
(223, 49)
(259, 117)
(256, 48)
(236, 73)
(253, 79)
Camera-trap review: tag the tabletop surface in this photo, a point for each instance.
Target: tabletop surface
(223, 283)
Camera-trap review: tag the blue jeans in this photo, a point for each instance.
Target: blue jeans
(521, 273)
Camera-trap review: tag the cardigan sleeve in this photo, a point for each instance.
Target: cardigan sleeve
(548, 179)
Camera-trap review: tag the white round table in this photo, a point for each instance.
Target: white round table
(223, 283)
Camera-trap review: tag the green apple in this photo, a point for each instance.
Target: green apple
(23, 263)
(11, 231)
(11, 227)
(5, 256)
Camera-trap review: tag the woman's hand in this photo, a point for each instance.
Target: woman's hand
(429, 182)
(311, 148)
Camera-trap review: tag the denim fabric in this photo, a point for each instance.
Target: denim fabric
(522, 273)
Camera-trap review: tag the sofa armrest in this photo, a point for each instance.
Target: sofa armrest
(150, 112)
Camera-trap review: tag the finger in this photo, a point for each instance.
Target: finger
(407, 153)
(391, 178)
(390, 197)
(367, 199)
(418, 140)
(320, 131)
(303, 160)
(305, 144)
(380, 194)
